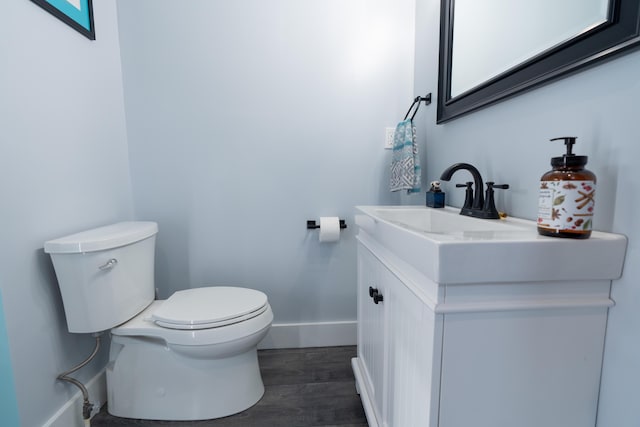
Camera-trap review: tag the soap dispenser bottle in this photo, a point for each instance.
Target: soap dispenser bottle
(435, 196)
(566, 197)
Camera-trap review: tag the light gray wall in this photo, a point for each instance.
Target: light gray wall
(509, 143)
(247, 118)
(63, 168)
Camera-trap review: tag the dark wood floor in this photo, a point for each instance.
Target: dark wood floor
(303, 387)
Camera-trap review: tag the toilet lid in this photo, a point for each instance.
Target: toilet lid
(209, 307)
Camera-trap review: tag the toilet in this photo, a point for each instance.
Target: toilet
(192, 356)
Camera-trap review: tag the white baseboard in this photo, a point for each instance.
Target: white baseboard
(70, 414)
(321, 334)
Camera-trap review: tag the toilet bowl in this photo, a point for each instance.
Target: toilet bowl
(201, 366)
(192, 356)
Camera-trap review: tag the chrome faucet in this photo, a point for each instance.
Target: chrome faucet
(479, 207)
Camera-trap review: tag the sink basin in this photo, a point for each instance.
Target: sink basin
(444, 221)
(451, 248)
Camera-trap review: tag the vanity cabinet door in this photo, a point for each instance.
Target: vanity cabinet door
(414, 335)
(528, 368)
(398, 339)
(372, 346)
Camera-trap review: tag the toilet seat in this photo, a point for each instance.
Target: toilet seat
(210, 307)
(145, 325)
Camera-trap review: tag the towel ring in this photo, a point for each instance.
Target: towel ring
(416, 103)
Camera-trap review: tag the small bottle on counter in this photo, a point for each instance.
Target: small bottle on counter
(435, 196)
(567, 196)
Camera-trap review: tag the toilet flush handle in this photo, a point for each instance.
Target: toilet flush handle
(109, 264)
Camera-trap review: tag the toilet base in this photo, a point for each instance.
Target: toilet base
(146, 379)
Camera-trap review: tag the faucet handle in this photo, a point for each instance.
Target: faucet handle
(491, 184)
(468, 196)
(489, 210)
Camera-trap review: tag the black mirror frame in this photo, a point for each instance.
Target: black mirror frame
(618, 35)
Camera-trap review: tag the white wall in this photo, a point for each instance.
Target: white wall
(247, 118)
(509, 143)
(63, 168)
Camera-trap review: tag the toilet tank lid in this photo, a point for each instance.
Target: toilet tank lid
(102, 238)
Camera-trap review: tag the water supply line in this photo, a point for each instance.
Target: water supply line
(87, 406)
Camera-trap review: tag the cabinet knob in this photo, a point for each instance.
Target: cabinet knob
(377, 298)
(375, 294)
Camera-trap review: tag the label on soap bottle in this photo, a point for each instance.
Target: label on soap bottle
(566, 205)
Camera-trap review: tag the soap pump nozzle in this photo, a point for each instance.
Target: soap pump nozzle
(569, 159)
(568, 141)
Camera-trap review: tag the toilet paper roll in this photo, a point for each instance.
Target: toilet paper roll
(329, 229)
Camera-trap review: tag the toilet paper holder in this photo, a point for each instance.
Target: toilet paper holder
(311, 224)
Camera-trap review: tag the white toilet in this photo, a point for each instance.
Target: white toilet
(190, 357)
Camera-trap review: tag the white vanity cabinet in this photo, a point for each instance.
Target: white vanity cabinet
(518, 347)
(396, 348)
(372, 336)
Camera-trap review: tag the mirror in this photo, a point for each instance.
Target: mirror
(494, 49)
(478, 56)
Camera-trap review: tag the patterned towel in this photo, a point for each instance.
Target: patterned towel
(405, 166)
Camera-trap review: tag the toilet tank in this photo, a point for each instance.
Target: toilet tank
(105, 275)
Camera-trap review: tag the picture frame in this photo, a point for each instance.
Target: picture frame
(78, 14)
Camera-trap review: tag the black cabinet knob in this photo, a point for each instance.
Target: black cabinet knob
(375, 294)
(377, 298)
